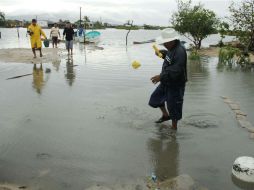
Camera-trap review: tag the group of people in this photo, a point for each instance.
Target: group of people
(35, 32)
(168, 96)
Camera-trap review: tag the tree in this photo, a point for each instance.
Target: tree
(194, 22)
(242, 19)
(223, 29)
(2, 18)
(86, 19)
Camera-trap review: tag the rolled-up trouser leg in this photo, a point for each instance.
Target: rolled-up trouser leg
(158, 97)
(175, 102)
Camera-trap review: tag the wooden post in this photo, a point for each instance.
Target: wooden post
(128, 32)
(18, 31)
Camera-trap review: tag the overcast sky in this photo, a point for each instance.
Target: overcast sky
(156, 12)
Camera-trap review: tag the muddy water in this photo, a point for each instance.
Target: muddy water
(87, 121)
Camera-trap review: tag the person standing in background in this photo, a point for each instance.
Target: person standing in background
(68, 33)
(54, 34)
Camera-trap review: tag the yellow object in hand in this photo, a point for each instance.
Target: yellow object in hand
(136, 64)
(157, 51)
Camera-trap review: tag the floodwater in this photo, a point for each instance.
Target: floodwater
(87, 121)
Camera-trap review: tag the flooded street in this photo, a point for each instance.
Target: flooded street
(88, 121)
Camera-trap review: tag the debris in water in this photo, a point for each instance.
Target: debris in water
(154, 177)
(43, 156)
(136, 64)
(19, 76)
(22, 187)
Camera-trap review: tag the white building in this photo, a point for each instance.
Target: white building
(43, 23)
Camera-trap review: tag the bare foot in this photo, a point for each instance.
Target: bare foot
(173, 128)
(41, 55)
(34, 56)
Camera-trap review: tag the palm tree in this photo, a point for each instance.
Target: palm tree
(86, 19)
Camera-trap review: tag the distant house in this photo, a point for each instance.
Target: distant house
(43, 23)
(14, 23)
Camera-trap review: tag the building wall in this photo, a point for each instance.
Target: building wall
(43, 23)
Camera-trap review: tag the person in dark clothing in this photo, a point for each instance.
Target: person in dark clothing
(172, 78)
(68, 33)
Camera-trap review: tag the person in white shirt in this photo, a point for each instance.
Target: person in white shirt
(54, 34)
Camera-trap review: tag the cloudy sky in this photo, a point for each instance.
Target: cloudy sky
(156, 12)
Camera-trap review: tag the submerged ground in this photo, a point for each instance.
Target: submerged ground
(87, 121)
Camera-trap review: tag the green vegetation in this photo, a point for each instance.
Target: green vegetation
(194, 55)
(98, 25)
(242, 26)
(150, 27)
(123, 27)
(242, 17)
(230, 55)
(227, 54)
(2, 19)
(223, 31)
(194, 22)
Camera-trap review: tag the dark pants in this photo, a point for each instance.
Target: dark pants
(173, 96)
(55, 40)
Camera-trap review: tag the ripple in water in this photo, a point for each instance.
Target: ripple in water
(202, 121)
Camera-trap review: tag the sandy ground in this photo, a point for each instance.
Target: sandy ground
(25, 55)
(211, 51)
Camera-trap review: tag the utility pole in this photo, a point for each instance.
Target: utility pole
(80, 17)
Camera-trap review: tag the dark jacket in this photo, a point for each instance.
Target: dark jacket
(174, 69)
(69, 32)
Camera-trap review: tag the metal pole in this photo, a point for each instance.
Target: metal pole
(0, 35)
(80, 17)
(84, 31)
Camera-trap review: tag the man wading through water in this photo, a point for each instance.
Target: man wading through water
(172, 78)
(35, 32)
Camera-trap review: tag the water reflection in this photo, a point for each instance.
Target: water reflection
(242, 184)
(56, 64)
(38, 78)
(70, 73)
(198, 66)
(164, 150)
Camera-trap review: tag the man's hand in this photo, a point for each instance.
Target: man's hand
(156, 79)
